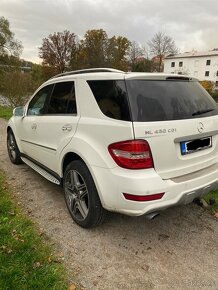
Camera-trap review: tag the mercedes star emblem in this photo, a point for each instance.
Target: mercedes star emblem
(200, 127)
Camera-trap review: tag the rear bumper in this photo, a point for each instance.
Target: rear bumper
(112, 183)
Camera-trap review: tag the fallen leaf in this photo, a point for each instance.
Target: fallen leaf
(72, 287)
(37, 264)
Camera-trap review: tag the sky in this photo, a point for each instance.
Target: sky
(193, 25)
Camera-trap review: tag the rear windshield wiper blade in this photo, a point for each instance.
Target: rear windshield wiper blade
(202, 112)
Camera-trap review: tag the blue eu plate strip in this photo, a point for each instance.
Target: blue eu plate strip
(183, 147)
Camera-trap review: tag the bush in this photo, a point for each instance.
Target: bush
(215, 96)
(208, 85)
(16, 87)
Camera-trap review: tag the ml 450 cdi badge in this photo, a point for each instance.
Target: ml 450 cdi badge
(133, 143)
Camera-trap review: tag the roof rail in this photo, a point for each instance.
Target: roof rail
(89, 70)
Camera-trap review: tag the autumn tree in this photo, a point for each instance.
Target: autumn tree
(160, 46)
(93, 48)
(135, 51)
(8, 43)
(98, 50)
(57, 49)
(10, 48)
(41, 73)
(63, 51)
(117, 52)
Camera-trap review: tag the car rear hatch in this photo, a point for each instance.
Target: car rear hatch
(178, 119)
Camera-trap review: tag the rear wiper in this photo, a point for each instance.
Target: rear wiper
(202, 112)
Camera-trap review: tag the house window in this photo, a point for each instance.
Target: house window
(216, 84)
(208, 62)
(207, 73)
(173, 64)
(180, 64)
(217, 73)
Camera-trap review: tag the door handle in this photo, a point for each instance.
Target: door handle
(34, 126)
(67, 128)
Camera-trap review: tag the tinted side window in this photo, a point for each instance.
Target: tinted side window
(63, 99)
(37, 105)
(111, 97)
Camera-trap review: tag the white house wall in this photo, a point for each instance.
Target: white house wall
(194, 66)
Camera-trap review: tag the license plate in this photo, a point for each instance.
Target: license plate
(192, 146)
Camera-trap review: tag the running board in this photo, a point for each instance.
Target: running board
(41, 171)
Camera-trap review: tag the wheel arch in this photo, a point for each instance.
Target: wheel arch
(68, 158)
(71, 156)
(9, 129)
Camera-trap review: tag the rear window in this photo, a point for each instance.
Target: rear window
(156, 100)
(111, 97)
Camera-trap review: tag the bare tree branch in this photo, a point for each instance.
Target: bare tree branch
(160, 46)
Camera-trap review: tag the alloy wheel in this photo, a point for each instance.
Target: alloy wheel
(12, 146)
(76, 195)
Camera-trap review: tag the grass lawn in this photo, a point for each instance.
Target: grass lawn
(5, 112)
(26, 260)
(214, 195)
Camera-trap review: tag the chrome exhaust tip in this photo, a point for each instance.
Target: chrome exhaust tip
(152, 215)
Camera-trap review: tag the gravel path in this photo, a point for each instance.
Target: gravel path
(178, 250)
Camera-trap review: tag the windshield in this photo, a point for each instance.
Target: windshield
(157, 100)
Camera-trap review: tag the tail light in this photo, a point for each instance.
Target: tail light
(133, 154)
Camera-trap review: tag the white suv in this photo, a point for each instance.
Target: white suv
(134, 143)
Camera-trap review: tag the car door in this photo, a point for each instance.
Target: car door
(26, 126)
(54, 128)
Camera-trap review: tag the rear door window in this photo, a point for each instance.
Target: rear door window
(160, 100)
(111, 97)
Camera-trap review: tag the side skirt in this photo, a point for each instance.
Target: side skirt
(42, 170)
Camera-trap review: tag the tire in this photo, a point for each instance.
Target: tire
(13, 150)
(81, 196)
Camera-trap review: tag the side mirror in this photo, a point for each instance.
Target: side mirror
(18, 112)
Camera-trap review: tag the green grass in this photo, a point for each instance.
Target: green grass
(26, 259)
(214, 195)
(5, 112)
